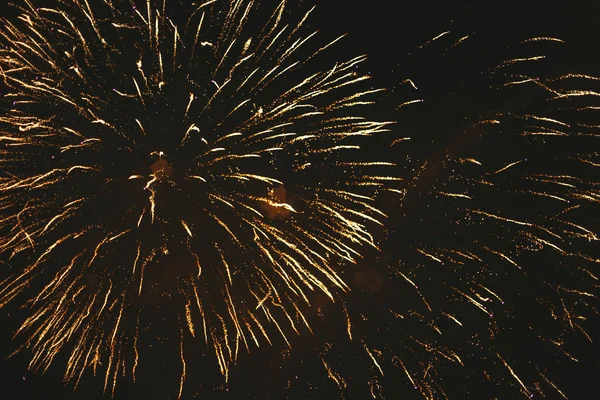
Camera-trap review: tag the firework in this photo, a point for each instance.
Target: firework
(163, 170)
(490, 285)
(202, 185)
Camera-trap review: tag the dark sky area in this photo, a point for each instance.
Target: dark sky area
(456, 87)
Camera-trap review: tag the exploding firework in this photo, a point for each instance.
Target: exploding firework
(490, 284)
(163, 170)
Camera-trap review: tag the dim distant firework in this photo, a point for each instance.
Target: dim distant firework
(150, 161)
(491, 286)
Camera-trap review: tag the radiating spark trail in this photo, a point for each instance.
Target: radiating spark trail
(374, 360)
(183, 368)
(515, 375)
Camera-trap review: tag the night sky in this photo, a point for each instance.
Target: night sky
(458, 88)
